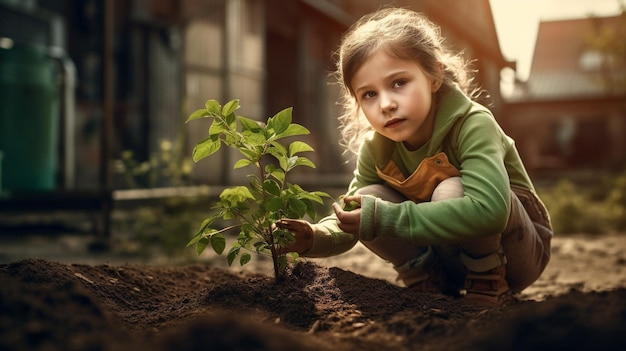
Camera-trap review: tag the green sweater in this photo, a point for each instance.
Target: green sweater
(488, 162)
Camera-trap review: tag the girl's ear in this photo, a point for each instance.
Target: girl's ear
(438, 78)
(436, 85)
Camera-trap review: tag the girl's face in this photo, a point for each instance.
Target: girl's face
(396, 96)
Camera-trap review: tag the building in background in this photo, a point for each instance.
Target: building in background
(144, 65)
(571, 113)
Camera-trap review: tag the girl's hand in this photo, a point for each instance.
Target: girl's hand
(349, 217)
(303, 232)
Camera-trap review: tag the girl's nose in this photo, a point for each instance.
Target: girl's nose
(387, 104)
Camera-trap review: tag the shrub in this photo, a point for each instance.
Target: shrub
(577, 209)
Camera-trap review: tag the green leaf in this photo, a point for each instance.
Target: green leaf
(228, 214)
(230, 107)
(279, 156)
(205, 148)
(231, 121)
(246, 234)
(251, 155)
(293, 130)
(310, 209)
(299, 146)
(232, 139)
(297, 207)
(213, 107)
(314, 196)
(245, 258)
(234, 251)
(303, 161)
(271, 187)
(201, 245)
(254, 138)
(195, 239)
(260, 246)
(321, 194)
(274, 204)
(218, 242)
(206, 223)
(216, 128)
(249, 124)
(236, 195)
(269, 168)
(283, 237)
(291, 163)
(284, 164)
(280, 122)
(203, 113)
(277, 149)
(255, 183)
(296, 189)
(242, 163)
(279, 174)
(204, 232)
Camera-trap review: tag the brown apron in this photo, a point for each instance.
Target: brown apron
(420, 185)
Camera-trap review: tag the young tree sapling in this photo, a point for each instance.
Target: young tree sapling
(268, 197)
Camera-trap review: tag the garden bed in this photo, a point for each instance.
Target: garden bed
(579, 303)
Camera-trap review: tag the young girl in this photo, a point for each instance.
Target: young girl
(440, 190)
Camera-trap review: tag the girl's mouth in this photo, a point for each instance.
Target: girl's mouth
(393, 123)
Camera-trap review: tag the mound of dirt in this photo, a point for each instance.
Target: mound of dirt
(47, 305)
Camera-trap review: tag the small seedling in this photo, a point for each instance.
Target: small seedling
(268, 197)
(348, 206)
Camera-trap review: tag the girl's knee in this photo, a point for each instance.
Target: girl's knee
(450, 188)
(381, 191)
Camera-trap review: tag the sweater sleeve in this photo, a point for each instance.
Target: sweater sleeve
(328, 239)
(482, 211)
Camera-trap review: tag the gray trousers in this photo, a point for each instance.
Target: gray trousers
(525, 241)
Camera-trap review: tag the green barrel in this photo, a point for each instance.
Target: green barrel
(29, 118)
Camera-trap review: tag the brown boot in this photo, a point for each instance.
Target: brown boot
(485, 281)
(424, 274)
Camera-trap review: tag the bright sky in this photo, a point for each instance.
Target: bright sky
(517, 22)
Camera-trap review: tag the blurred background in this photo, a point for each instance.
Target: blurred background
(94, 95)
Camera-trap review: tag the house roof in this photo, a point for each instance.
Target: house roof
(469, 21)
(564, 65)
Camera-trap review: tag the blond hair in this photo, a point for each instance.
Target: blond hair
(404, 34)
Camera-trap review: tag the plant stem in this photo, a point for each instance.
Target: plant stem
(277, 272)
(269, 235)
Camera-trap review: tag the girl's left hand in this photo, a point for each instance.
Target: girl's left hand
(349, 221)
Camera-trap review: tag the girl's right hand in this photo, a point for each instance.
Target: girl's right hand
(302, 230)
(349, 216)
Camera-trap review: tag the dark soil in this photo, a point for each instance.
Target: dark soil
(46, 305)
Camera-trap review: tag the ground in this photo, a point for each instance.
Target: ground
(348, 302)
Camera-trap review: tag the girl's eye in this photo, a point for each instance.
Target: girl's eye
(399, 83)
(368, 94)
